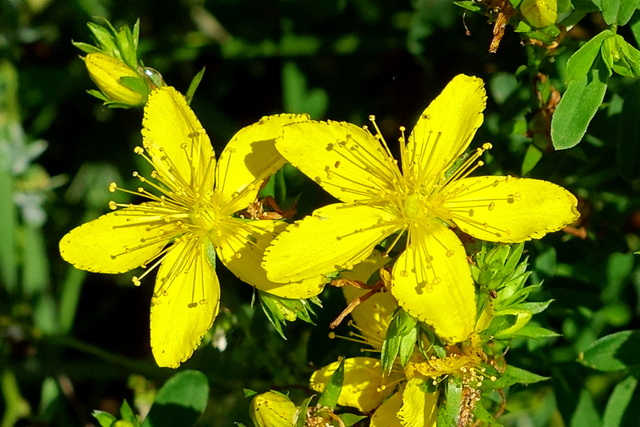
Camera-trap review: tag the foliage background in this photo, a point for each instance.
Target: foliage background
(73, 342)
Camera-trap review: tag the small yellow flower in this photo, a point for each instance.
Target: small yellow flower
(396, 399)
(187, 220)
(431, 279)
(107, 73)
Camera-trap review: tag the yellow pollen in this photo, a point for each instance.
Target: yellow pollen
(113, 187)
(136, 281)
(138, 150)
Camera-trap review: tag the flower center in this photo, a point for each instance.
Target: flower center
(413, 206)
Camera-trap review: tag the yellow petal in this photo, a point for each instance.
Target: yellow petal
(387, 414)
(241, 248)
(249, 158)
(372, 316)
(114, 243)
(445, 129)
(185, 303)
(176, 141)
(364, 387)
(335, 237)
(419, 408)
(432, 282)
(510, 210)
(346, 160)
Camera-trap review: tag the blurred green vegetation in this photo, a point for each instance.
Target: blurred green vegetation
(74, 342)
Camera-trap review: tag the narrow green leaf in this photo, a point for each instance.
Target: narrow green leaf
(35, 272)
(124, 39)
(329, 397)
(586, 413)
(613, 352)
(577, 107)
(618, 402)
(104, 38)
(513, 375)
(86, 47)
(126, 413)
(180, 401)
(471, 5)
(195, 82)
(302, 411)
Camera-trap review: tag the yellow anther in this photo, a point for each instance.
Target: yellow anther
(113, 187)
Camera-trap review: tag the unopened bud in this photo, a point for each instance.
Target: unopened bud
(273, 409)
(108, 72)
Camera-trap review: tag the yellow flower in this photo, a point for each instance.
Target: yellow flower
(364, 386)
(187, 220)
(431, 278)
(107, 73)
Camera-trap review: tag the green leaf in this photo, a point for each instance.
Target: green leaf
(302, 410)
(280, 310)
(104, 39)
(618, 11)
(124, 39)
(582, 60)
(105, 419)
(126, 413)
(297, 98)
(628, 135)
(531, 159)
(613, 352)
(586, 413)
(471, 5)
(329, 397)
(351, 419)
(577, 107)
(86, 47)
(407, 345)
(449, 412)
(618, 402)
(513, 375)
(181, 401)
(619, 268)
(399, 333)
(195, 82)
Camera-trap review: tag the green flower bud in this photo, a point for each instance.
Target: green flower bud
(118, 82)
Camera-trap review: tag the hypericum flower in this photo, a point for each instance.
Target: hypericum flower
(396, 400)
(401, 399)
(431, 278)
(108, 73)
(187, 220)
